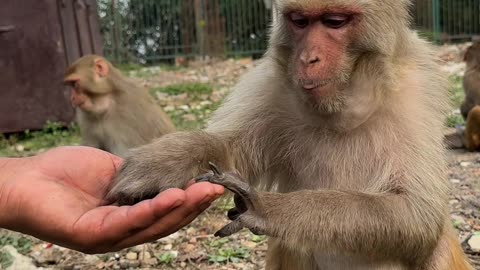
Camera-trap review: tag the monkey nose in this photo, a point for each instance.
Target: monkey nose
(309, 59)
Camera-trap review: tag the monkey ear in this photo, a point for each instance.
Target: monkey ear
(101, 68)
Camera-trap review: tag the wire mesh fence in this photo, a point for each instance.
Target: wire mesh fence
(447, 20)
(154, 30)
(149, 31)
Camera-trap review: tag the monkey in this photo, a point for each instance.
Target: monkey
(462, 139)
(471, 79)
(112, 112)
(472, 129)
(332, 144)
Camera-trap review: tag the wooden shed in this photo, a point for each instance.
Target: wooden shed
(38, 40)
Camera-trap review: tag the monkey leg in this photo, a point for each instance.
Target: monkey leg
(247, 202)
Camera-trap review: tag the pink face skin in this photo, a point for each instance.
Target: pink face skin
(321, 40)
(78, 97)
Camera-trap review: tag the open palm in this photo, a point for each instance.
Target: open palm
(58, 196)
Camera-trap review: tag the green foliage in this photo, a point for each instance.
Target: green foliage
(258, 238)
(20, 243)
(192, 89)
(166, 258)
(29, 142)
(229, 255)
(6, 260)
(457, 96)
(454, 120)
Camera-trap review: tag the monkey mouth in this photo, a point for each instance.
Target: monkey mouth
(310, 85)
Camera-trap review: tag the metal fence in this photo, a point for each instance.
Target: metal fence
(148, 31)
(447, 20)
(156, 30)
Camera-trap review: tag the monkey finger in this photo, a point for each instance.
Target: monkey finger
(229, 229)
(246, 197)
(233, 213)
(204, 177)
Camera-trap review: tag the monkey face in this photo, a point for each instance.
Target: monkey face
(320, 62)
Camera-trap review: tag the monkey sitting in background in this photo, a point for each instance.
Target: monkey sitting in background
(113, 113)
(471, 87)
(471, 79)
(472, 129)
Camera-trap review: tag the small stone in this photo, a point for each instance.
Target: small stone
(183, 264)
(139, 248)
(91, 259)
(452, 202)
(191, 230)
(465, 164)
(77, 267)
(20, 148)
(454, 181)
(131, 256)
(168, 247)
(117, 256)
(249, 244)
(184, 107)
(189, 248)
(189, 117)
(474, 242)
(151, 261)
(146, 255)
(134, 264)
(169, 108)
(123, 264)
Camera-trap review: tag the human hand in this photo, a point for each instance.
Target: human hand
(57, 197)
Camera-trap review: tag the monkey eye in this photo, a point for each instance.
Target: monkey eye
(298, 20)
(335, 21)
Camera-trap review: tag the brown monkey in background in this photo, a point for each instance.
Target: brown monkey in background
(341, 126)
(469, 108)
(472, 129)
(471, 79)
(471, 86)
(113, 113)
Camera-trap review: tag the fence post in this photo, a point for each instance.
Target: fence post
(115, 42)
(200, 25)
(436, 21)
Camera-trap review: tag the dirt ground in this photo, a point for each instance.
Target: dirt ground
(195, 247)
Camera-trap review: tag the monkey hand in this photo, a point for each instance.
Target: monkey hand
(248, 211)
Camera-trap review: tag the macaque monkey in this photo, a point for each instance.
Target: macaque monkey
(471, 79)
(472, 129)
(113, 113)
(332, 145)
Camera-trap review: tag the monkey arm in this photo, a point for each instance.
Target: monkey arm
(169, 162)
(337, 220)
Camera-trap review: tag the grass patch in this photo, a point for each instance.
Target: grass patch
(193, 90)
(457, 96)
(22, 244)
(6, 260)
(194, 118)
(29, 143)
(456, 92)
(226, 255)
